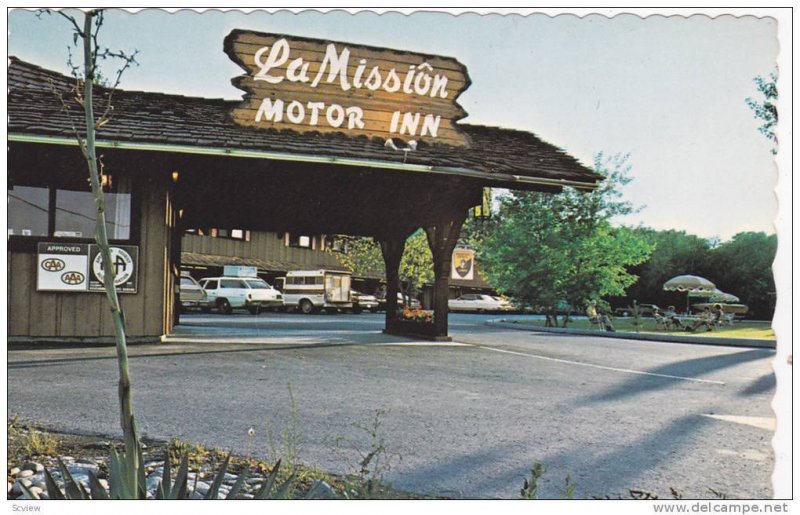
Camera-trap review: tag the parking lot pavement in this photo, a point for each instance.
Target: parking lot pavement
(469, 417)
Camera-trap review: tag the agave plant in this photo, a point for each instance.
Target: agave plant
(124, 485)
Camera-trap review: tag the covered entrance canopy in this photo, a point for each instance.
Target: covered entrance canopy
(220, 173)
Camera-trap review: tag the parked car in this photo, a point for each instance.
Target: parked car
(251, 293)
(480, 303)
(413, 304)
(645, 310)
(192, 295)
(362, 301)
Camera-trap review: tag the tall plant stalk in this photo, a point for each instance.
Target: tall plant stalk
(109, 275)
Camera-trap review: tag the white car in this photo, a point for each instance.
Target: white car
(362, 301)
(251, 293)
(479, 302)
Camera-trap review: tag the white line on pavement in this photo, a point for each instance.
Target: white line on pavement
(592, 365)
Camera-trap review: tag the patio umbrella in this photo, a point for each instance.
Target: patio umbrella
(721, 296)
(693, 285)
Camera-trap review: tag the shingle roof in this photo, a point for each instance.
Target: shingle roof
(157, 118)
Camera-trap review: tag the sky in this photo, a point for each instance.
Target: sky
(669, 91)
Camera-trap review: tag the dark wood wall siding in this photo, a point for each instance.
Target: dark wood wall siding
(262, 245)
(87, 315)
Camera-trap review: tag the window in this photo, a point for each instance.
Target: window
(210, 285)
(185, 281)
(67, 212)
(215, 232)
(257, 284)
(296, 240)
(231, 283)
(28, 211)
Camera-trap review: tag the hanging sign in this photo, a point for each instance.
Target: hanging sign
(311, 85)
(463, 266)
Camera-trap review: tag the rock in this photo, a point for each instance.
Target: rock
(14, 471)
(20, 483)
(30, 465)
(10, 485)
(202, 487)
(152, 482)
(230, 477)
(103, 483)
(82, 468)
(25, 473)
(36, 492)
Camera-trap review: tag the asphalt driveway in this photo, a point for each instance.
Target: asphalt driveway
(466, 418)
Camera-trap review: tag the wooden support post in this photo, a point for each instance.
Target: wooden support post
(442, 238)
(392, 248)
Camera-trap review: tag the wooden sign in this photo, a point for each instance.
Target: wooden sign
(311, 85)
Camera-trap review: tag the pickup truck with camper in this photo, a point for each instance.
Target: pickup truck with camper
(310, 291)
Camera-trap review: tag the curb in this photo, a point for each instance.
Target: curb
(725, 342)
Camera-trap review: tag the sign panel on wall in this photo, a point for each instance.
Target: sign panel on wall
(124, 259)
(77, 267)
(322, 86)
(463, 266)
(62, 267)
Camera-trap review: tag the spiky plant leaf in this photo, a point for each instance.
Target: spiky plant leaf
(213, 491)
(114, 475)
(180, 487)
(283, 490)
(53, 491)
(71, 488)
(237, 486)
(96, 489)
(266, 488)
(163, 490)
(28, 494)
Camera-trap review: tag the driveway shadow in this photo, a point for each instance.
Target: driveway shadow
(694, 368)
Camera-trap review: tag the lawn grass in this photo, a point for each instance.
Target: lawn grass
(751, 330)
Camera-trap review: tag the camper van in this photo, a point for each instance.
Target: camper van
(312, 290)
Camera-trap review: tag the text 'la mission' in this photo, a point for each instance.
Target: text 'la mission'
(419, 80)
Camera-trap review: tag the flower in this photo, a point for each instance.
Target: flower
(417, 315)
(251, 432)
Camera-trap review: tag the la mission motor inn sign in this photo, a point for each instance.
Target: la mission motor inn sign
(313, 85)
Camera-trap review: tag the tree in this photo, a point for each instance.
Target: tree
(363, 256)
(743, 266)
(674, 253)
(551, 249)
(86, 77)
(766, 110)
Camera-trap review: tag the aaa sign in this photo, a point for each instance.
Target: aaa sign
(314, 85)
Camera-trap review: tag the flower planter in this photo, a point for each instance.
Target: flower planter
(421, 330)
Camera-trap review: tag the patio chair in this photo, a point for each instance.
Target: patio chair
(664, 323)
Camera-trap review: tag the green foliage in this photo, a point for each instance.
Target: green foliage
(286, 445)
(367, 481)
(363, 256)
(32, 441)
(530, 488)
(743, 266)
(168, 488)
(766, 109)
(550, 248)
